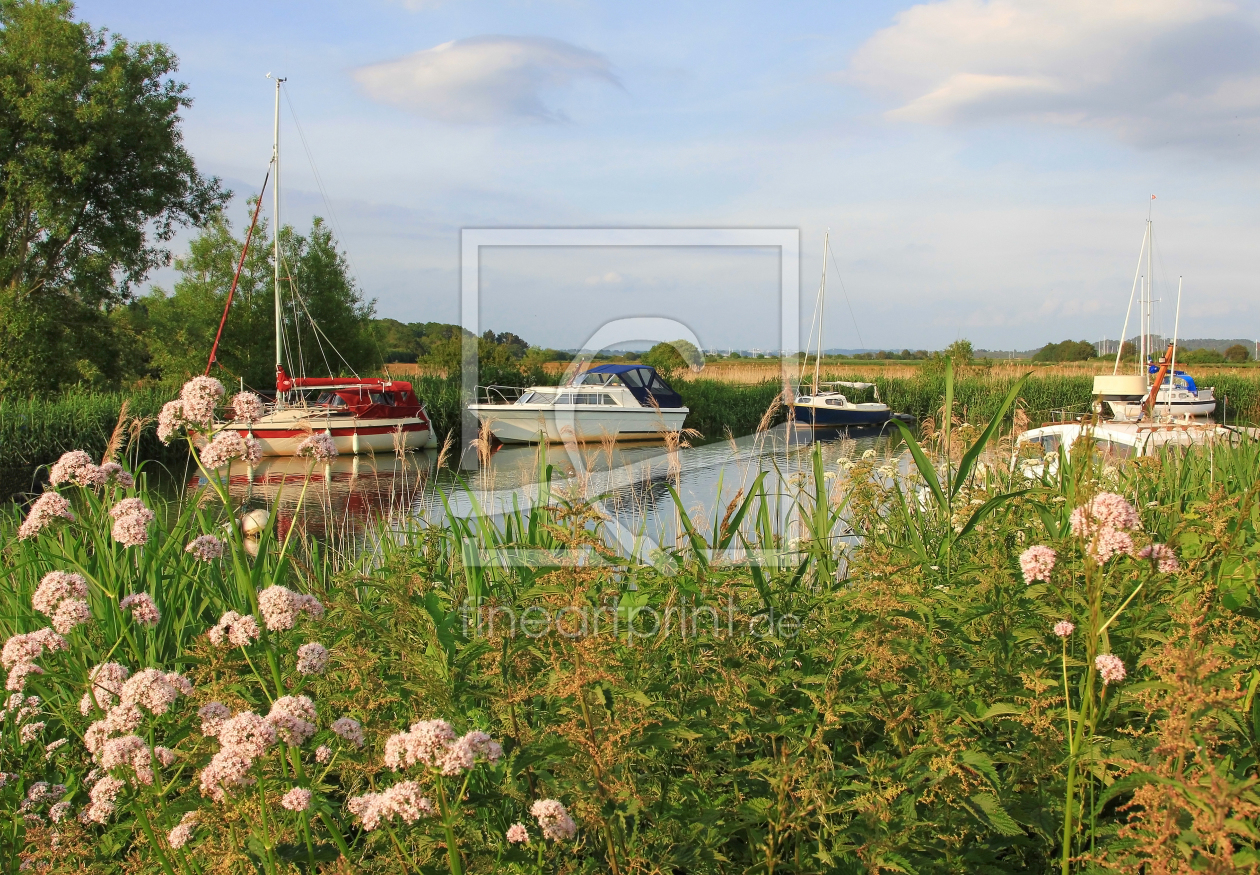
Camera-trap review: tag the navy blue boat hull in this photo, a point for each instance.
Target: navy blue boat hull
(832, 417)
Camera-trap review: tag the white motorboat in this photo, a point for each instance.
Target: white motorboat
(1037, 449)
(629, 402)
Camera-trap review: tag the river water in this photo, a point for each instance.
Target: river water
(339, 502)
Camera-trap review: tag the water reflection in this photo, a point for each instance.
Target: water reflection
(630, 481)
(340, 499)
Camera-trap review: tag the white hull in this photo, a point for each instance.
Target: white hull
(523, 423)
(1177, 404)
(281, 431)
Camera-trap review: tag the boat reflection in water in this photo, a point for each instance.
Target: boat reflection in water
(341, 499)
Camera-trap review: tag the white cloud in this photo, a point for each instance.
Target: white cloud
(483, 79)
(611, 278)
(1152, 72)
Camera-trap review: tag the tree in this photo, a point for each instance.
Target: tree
(94, 180)
(674, 356)
(183, 323)
(1066, 351)
(1237, 354)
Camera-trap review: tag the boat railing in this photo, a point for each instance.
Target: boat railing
(499, 394)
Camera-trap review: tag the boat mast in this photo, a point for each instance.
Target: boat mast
(1146, 310)
(275, 209)
(822, 307)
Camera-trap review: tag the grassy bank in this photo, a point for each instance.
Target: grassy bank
(756, 699)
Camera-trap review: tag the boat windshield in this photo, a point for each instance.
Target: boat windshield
(330, 399)
(596, 379)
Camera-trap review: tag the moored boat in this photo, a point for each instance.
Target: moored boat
(361, 414)
(629, 402)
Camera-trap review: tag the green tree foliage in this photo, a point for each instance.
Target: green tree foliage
(1201, 357)
(1237, 354)
(95, 181)
(674, 356)
(1066, 351)
(182, 325)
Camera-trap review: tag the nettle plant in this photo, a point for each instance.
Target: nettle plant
(168, 700)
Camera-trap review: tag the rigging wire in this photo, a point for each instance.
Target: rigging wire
(846, 299)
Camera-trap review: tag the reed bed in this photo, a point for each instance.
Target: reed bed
(849, 669)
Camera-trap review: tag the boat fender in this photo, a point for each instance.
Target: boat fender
(354, 443)
(253, 522)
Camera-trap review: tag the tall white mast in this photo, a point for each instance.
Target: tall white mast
(1150, 279)
(275, 231)
(822, 307)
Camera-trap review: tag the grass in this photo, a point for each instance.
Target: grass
(845, 672)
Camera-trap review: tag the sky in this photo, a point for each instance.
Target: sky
(984, 169)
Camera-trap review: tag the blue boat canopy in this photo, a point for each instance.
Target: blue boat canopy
(644, 383)
(1179, 380)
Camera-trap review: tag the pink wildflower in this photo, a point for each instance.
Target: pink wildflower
(320, 446)
(170, 420)
(426, 742)
(280, 607)
(30, 646)
(323, 754)
(155, 690)
(1063, 628)
(53, 747)
(554, 820)
(293, 718)
(517, 834)
(200, 397)
(312, 658)
(46, 509)
(235, 630)
(180, 835)
(30, 731)
(403, 800)
(59, 811)
(104, 795)
(106, 685)
(1106, 510)
(142, 607)
(131, 522)
(100, 475)
(297, 799)
(207, 548)
(247, 733)
(55, 586)
(16, 682)
(1110, 667)
(1162, 554)
(1110, 542)
(70, 468)
(349, 729)
(1037, 562)
(70, 613)
(247, 406)
(228, 445)
(213, 715)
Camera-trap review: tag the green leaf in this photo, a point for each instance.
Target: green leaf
(926, 471)
(973, 453)
(981, 763)
(998, 817)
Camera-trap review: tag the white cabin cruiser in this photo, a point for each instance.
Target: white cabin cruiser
(629, 402)
(1037, 449)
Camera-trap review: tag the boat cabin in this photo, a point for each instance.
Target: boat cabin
(644, 383)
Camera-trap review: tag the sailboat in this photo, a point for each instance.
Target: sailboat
(824, 406)
(1157, 391)
(361, 414)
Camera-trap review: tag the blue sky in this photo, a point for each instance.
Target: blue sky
(984, 167)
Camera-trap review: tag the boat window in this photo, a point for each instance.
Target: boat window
(838, 402)
(331, 399)
(804, 399)
(658, 385)
(634, 378)
(525, 399)
(564, 399)
(1049, 443)
(377, 397)
(388, 398)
